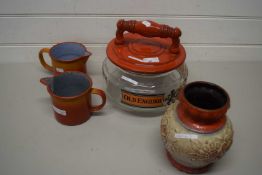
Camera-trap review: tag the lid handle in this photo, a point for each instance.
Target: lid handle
(148, 29)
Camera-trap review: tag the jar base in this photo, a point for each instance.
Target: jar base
(184, 168)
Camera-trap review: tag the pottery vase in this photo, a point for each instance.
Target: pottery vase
(195, 130)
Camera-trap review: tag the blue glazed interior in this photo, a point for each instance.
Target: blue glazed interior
(69, 84)
(67, 51)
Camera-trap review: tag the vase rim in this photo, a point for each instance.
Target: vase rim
(210, 86)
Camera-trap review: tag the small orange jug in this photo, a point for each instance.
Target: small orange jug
(66, 56)
(71, 97)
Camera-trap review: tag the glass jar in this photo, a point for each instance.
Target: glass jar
(142, 73)
(122, 84)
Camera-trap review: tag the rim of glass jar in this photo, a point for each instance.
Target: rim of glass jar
(146, 74)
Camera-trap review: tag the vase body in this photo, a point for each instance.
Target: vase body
(194, 135)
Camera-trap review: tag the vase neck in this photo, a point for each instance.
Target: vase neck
(203, 105)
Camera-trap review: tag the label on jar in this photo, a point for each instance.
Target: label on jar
(142, 100)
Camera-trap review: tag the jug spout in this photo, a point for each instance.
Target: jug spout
(87, 53)
(86, 56)
(46, 81)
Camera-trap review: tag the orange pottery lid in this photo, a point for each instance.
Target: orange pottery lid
(149, 47)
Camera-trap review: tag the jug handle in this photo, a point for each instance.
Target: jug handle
(46, 81)
(42, 60)
(102, 95)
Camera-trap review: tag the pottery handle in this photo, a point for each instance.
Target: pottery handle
(148, 29)
(102, 95)
(42, 60)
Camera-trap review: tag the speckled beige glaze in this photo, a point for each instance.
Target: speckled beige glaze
(198, 151)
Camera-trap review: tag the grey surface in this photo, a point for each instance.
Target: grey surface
(114, 142)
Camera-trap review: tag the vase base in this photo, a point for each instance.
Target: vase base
(184, 168)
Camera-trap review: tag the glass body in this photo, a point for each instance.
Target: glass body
(140, 92)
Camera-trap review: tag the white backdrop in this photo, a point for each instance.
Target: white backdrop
(217, 30)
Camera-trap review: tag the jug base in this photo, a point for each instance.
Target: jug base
(70, 123)
(184, 168)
